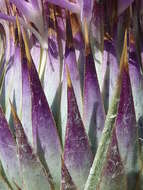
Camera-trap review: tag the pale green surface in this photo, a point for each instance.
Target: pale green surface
(100, 158)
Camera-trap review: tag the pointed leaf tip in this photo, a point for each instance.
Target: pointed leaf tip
(18, 28)
(69, 83)
(86, 36)
(77, 153)
(45, 135)
(93, 109)
(13, 111)
(31, 167)
(124, 56)
(28, 55)
(8, 153)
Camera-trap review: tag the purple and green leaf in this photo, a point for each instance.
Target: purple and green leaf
(70, 61)
(34, 175)
(113, 176)
(45, 136)
(8, 153)
(93, 109)
(105, 141)
(77, 153)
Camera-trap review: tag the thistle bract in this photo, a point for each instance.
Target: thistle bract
(71, 95)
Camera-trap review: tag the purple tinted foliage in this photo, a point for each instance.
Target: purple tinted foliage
(77, 153)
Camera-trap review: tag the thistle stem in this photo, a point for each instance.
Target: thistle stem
(100, 158)
(101, 155)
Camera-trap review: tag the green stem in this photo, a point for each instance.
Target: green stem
(101, 155)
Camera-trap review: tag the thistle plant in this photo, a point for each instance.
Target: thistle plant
(71, 95)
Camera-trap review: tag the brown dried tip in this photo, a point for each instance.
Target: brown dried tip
(52, 21)
(124, 56)
(28, 55)
(86, 37)
(75, 24)
(69, 36)
(16, 120)
(108, 37)
(131, 38)
(51, 12)
(69, 83)
(18, 29)
(86, 32)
